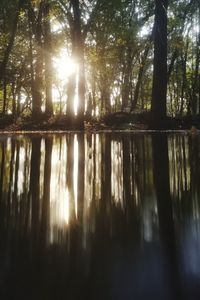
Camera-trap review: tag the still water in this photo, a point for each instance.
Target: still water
(100, 216)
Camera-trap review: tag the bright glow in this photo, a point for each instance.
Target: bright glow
(60, 198)
(56, 26)
(64, 65)
(64, 207)
(145, 30)
(116, 172)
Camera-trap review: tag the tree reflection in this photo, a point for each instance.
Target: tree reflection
(165, 210)
(45, 218)
(35, 188)
(95, 206)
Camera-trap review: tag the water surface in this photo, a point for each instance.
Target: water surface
(100, 216)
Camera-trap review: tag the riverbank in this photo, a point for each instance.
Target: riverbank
(119, 121)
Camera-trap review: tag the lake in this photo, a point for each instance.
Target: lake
(100, 216)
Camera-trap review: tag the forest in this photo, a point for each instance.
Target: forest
(73, 64)
(99, 149)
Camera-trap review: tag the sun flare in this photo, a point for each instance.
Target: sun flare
(64, 66)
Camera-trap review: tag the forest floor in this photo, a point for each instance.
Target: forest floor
(116, 121)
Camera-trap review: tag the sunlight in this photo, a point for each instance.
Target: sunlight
(60, 198)
(64, 65)
(64, 207)
(116, 172)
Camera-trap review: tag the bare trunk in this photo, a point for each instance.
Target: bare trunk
(196, 78)
(159, 89)
(139, 79)
(48, 61)
(4, 94)
(36, 26)
(126, 90)
(183, 87)
(79, 54)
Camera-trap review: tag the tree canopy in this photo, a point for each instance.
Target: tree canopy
(87, 59)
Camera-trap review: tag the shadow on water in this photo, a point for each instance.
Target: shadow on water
(100, 216)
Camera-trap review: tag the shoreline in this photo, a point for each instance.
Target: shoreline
(96, 131)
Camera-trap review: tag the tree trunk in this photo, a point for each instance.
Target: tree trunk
(4, 93)
(159, 89)
(79, 53)
(126, 88)
(2, 170)
(105, 97)
(184, 76)
(140, 76)
(71, 87)
(196, 78)
(48, 61)
(37, 103)
(36, 25)
(13, 90)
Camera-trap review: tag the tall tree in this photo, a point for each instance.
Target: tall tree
(48, 60)
(35, 14)
(10, 43)
(159, 89)
(79, 53)
(73, 11)
(8, 49)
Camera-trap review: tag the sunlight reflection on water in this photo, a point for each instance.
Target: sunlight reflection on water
(112, 200)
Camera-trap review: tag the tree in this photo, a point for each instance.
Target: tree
(111, 44)
(35, 14)
(79, 53)
(48, 58)
(11, 39)
(8, 49)
(159, 89)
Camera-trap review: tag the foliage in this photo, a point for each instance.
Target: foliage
(116, 36)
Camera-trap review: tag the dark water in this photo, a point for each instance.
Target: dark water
(103, 216)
